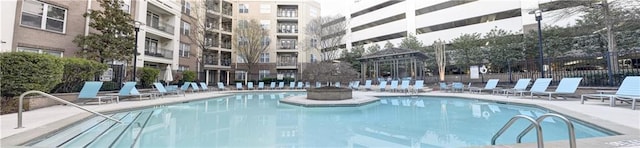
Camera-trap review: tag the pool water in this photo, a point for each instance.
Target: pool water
(258, 120)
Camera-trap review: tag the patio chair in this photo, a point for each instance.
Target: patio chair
(418, 86)
(221, 86)
(566, 86)
(184, 87)
(272, 85)
(162, 90)
(204, 86)
(90, 92)
(260, 85)
(249, 85)
(629, 89)
(194, 87)
(394, 85)
(238, 86)
(337, 84)
(292, 85)
(540, 85)
(356, 85)
(404, 86)
(520, 85)
(307, 85)
(444, 86)
(318, 84)
(367, 85)
(457, 86)
(300, 85)
(382, 86)
(129, 90)
(491, 85)
(281, 85)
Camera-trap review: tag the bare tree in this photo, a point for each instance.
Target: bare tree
(330, 72)
(250, 40)
(327, 34)
(441, 58)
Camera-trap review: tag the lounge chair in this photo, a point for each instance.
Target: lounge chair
(260, 85)
(394, 85)
(162, 90)
(129, 90)
(455, 86)
(292, 85)
(220, 86)
(520, 85)
(300, 85)
(491, 85)
(540, 85)
(204, 86)
(272, 85)
(249, 85)
(444, 86)
(281, 85)
(404, 86)
(629, 89)
(307, 85)
(356, 85)
(318, 84)
(566, 86)
(194, 87)
(418, 86)
(382, 86)
(367, 85)
(185, 87)
(337, 84)
(90, 92)
(238, 86)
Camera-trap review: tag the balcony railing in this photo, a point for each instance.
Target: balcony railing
(289, 47)
(287, 30)
(226, 45)
(287, 64)
(160, 52)
(211, 43)
(162, 27)
(228, 12)
(226, 28)
(225, 62)
(288, 13)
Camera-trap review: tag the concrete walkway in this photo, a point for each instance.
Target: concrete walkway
(620, 118)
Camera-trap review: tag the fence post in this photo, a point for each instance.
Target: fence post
(609, 70)
(510, 73)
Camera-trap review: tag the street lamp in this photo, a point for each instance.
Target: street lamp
(538, 14)
(136, 26)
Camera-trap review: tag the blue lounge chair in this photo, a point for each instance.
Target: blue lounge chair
(444, 87)
(90, 92)
(520, 85)
(129, 90)
(337, 84)
(272, 85)
(220, 86)
(194, 87)
(404, 86)
(566, 86)
(457, 86)
(491, 85)
(249, 85)
(300, 85)
(185, 87)
(307, 85)
(162, 90)
(540, 85)
(318, 84)
(367, 85)
(628, 90)
(238, 86)
(280, 85)
(260, 85)
(394, 85)
(356, 85)
(418, 86)
(204, 86)
(292, 85)
(382, 86)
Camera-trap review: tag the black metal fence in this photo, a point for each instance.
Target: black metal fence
(606, 69)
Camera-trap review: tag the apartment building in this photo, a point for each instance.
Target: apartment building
(288, 51)
(216, 18)
(378, 21)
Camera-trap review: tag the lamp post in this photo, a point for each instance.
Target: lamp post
(538, 14)
(136, 26)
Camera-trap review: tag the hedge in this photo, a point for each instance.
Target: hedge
(76, 71)
(149, 75)
(188, 76)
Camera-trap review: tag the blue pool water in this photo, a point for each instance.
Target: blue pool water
(258, 120)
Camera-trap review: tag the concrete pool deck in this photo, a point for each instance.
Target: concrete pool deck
(620, 119)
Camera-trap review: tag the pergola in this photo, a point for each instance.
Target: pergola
(395, 63)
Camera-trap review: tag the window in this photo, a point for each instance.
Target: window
(150, 46)
(265, 41)
(265, 24)
(185, 28)
(124, 7)
(153, 20)
(314, 43)
(265, 8)
(43, 16)
(264, 74)
(243, 23)
(240, 75)
(184, 50)
(264, 57)
(41, 51)
(186, 7)
(240, 59)
(313, 58)
(242, 41)
(243, 8)
(183, 68)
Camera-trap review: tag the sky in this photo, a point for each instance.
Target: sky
(332, 7)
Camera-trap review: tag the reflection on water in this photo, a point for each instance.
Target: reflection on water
(258, 120)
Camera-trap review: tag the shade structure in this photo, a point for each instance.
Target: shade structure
(168, 77)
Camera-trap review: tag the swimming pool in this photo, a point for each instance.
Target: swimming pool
(258, 120)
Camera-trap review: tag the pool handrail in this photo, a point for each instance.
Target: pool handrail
(20, 100)
(572, 135)
(513, 120)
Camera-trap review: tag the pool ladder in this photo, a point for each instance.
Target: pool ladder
(536, 124)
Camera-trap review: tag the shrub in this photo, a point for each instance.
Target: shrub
(76, 71)
(22, 71)
(188, 76)
(149, 75)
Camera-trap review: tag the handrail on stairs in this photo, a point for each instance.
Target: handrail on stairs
(57, 99)
(572, 135)
(513, 120)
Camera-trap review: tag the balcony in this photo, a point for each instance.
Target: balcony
(226, 45)
(160, 52)
(164, 27)
(287, 44)
(287, 13)
(287, 65)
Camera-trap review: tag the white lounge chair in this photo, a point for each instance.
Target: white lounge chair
(628, 90)
(491, 85)
(566, 86)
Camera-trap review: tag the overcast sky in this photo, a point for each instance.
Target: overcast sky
(331, 7)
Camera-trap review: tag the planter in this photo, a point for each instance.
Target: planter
(329, 93)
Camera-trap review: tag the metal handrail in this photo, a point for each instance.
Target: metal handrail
(513, 120)
(57, 99)
(572, 135)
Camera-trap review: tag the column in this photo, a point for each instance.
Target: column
(206, 77)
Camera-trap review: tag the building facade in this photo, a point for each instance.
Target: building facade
(216, 21)
(288, 51)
